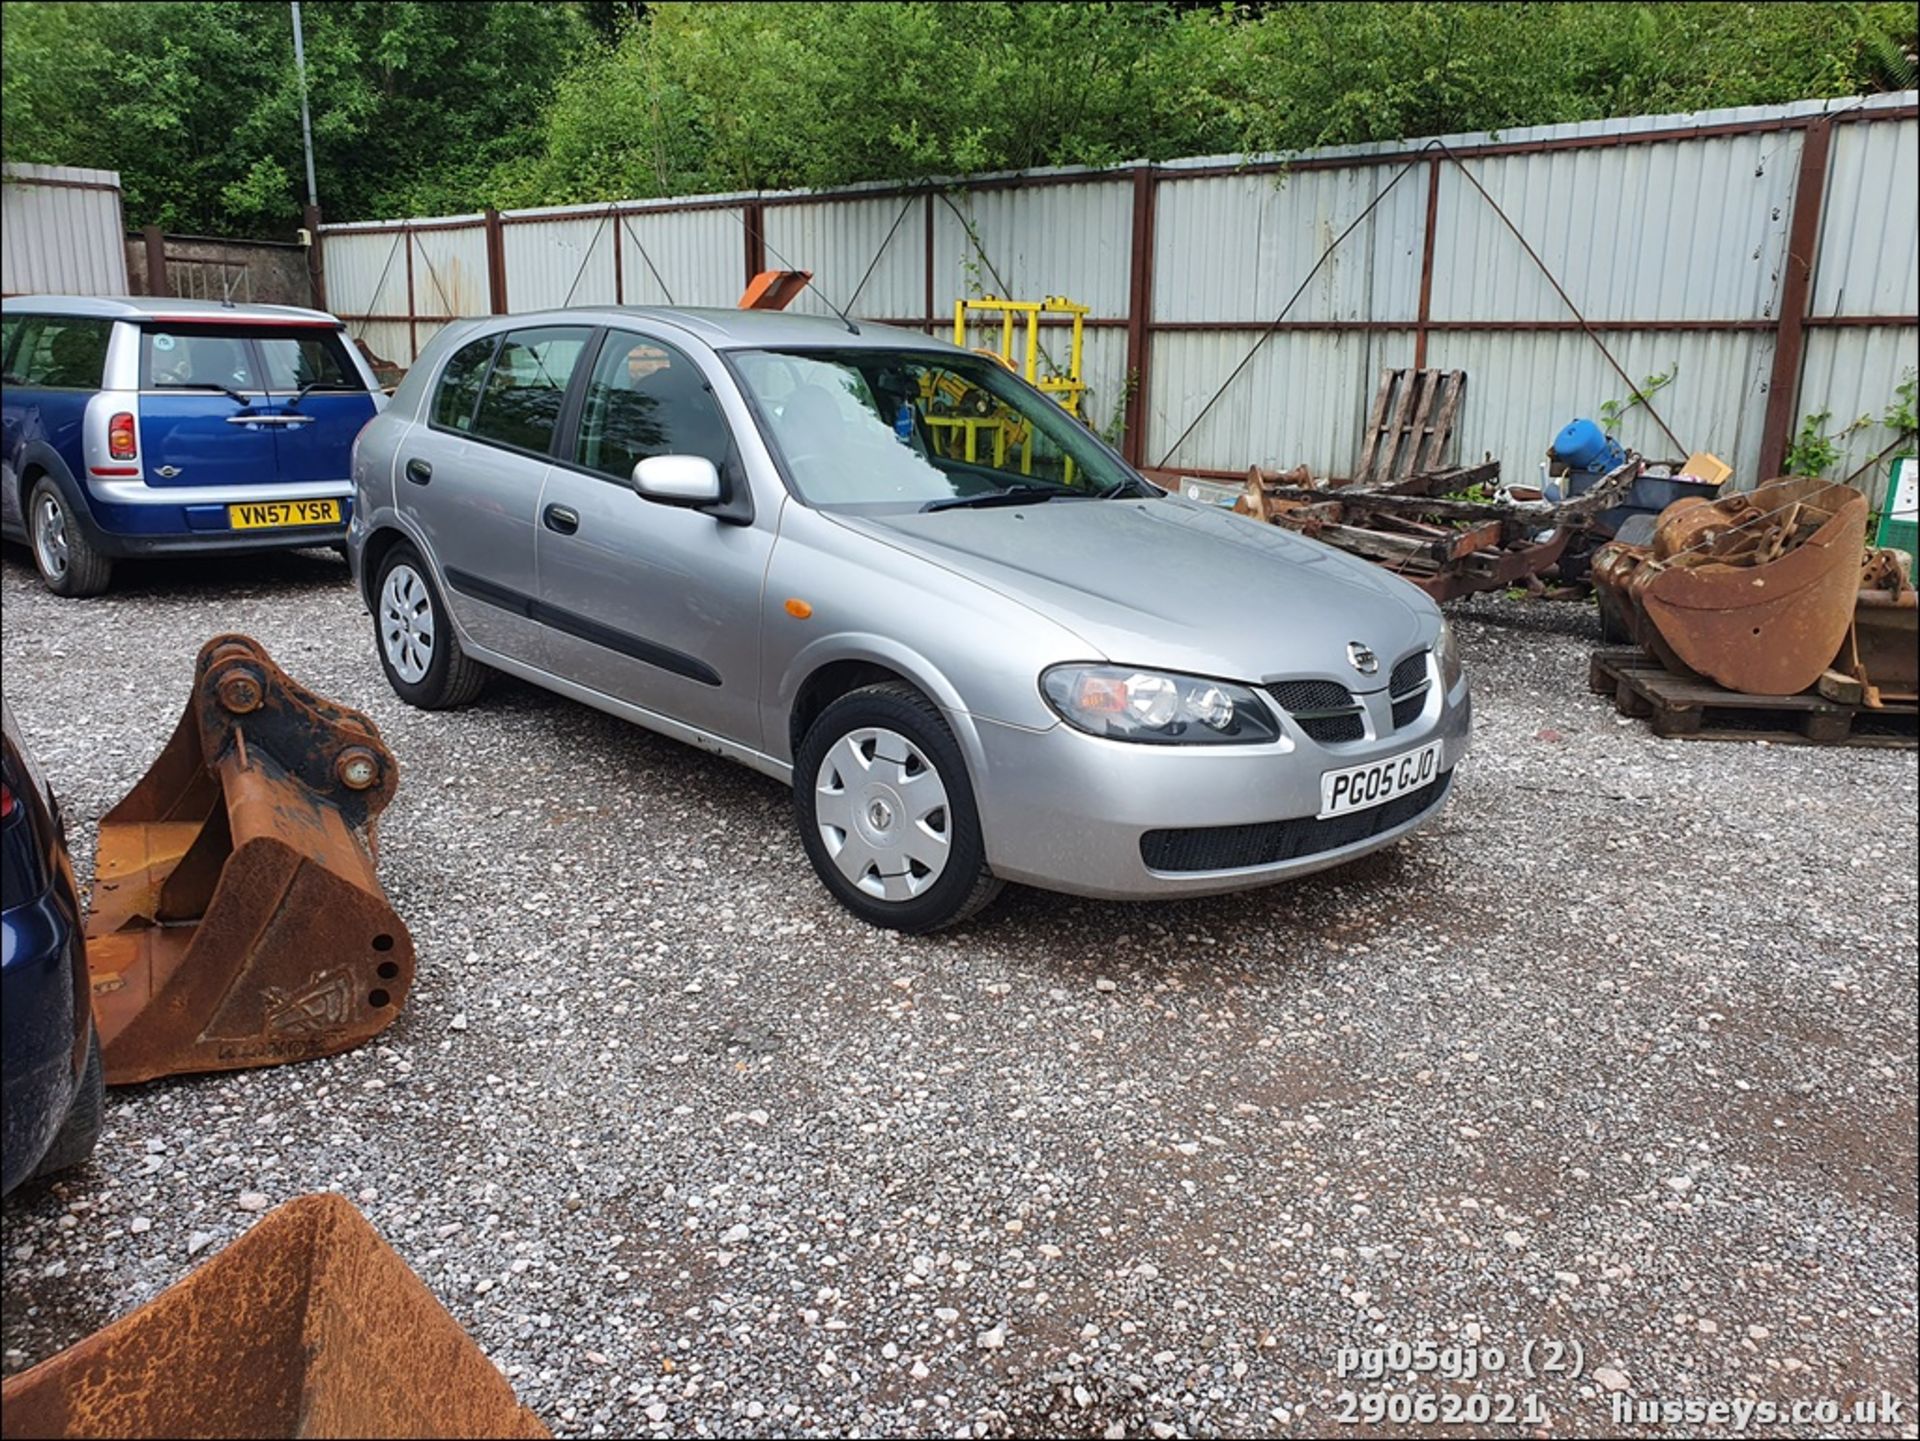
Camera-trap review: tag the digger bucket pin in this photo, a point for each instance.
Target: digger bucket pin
(236, 917)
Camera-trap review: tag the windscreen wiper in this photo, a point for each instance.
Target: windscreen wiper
(313, 385)
(1012, 495)
(225, 390)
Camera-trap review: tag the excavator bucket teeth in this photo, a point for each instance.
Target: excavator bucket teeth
(236, 917)
(309, 1325)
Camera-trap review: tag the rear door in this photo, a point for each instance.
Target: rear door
(321, 397)
(470, 477)
(204, 408)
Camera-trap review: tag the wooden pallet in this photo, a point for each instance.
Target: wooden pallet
(1411, 424)
(1693, 708)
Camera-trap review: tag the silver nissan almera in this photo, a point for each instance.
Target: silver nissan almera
(894, 575)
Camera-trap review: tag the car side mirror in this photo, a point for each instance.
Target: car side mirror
(689, 480)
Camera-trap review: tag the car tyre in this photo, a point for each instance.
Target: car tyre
(74, 1141)
(886, 812)
(413, 636)
(68, 563)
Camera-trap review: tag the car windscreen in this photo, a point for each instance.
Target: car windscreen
(248, 358)
(904, 429)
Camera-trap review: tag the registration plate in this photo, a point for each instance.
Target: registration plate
(266, 514)
(1358, 788)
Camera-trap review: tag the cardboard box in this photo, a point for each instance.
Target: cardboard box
(1706, 467)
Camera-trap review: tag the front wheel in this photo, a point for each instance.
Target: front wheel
(67, 561)
(411, 629)
(886, 812)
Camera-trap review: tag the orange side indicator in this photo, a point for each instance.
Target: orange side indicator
(799, 609)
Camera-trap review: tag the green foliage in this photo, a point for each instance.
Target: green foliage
(1901, 417)
(426, 106)
(197, 105)
(1612, 412)
(1815, 451)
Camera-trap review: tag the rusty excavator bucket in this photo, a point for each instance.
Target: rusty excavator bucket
(309, 1325)
(236, 917)
(1754, 590)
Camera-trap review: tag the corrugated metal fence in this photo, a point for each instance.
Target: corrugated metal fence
(62, 232)
(1765, 258)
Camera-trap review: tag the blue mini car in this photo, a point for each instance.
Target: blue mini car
(144, 426)
(51, 1098)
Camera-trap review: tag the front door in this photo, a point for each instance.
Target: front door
(653, 604)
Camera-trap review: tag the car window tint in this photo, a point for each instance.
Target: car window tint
(460, 384)
(646, 399)
(10, 328)
(521, 402)
(176, 359)
(308, 358)
(56, 351)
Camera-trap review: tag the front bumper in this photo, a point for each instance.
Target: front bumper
(1066, 811)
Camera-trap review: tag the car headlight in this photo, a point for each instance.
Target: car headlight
(1122, 703)
(1446, 653)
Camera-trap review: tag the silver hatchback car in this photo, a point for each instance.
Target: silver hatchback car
(892, 574)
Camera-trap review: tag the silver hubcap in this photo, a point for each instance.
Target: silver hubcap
(406, 623)
(50, 536)
(882, 812)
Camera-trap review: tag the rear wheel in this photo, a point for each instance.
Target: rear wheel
(81, 1129)
(886, 812)
(414, 636)
(68, 563)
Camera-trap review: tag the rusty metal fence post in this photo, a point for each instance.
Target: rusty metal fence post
(316, 259)
(1789, 337)
(755, 216)
(496, 264)
(1146, 190)
(1426, 265)
(156, 260)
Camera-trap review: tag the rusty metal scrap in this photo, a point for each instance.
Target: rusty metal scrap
(1881, 656)
(1416, 526)
(237, 920)
(309, 1325)
(1755, 590)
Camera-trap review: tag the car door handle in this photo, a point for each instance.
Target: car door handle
(419, 472)
(560, 518)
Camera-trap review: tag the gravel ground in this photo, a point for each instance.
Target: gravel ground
(1620, 1053)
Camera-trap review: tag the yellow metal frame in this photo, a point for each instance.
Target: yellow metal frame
(1067, 390)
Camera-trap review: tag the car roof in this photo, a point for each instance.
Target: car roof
(728, 329)
(164, 308)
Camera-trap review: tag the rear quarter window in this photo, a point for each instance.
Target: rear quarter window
(59, 352)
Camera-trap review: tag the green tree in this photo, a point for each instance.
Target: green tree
(197, 104)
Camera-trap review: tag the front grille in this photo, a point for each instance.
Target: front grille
(1227, 848)
(1311, 695)
(1408, 686)
(1324, 709)
(1410, 675)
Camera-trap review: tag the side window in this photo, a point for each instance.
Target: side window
(62, 353)
(460, 384)
(521, 403)
(644, 399)
(10, 328)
